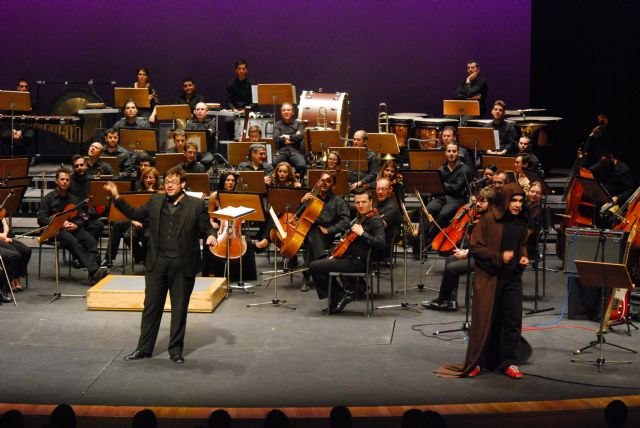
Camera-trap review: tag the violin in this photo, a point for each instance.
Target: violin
(445, 240)
(3, 210)
(341, 248)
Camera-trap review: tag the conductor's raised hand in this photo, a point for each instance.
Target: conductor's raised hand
(112, 189)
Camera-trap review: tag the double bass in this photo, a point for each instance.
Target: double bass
(579, 208)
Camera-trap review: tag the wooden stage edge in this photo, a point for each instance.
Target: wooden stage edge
(475, 409)
(126, 293)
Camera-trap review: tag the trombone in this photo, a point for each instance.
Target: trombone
(383, 118)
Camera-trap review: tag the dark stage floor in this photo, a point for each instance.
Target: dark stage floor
(276, 357)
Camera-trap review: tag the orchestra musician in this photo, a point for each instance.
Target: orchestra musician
(507, 133)
(288, 134)
(389, 212)
(176, 223)
(111, 138)
(498, 180)
(238, 95)
(200, 122)
(73, 235)
(333, 218)
(474, 87)
(456, 177)
(142, 81)
(534, 217)
(369, 234)
(189, 94)
(95, 166)
(16, 256)
(449, 136)
(524, 147)
(368, 177)
(131, 119)
(334, 162)
(22, 136)
(389, 170)
(255, 133)
(257, 161)
(80, 189)
(498, 245)
(459, 263)
(614, 175)
(520, 165)
(191, 164)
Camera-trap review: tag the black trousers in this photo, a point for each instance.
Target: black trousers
(506, 325)
(453, 270)
(16, 257)
(320, 273)
(82, 246)
(166, 277)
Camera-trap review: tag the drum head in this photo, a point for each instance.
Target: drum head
(70, 101)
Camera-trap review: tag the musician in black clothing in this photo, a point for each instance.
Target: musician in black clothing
(189, 94)
(507, 133)
(125, 164)
(333, 218)
(288, 134)
(474, 87)
(238, 94)
(201, 122)
(131, 119)
(389, 211)
(617, 179)
(370, 235)
(22, 135)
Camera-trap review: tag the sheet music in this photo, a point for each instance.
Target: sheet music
(274, 216)
(233, 212)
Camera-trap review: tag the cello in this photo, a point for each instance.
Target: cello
(228, 238)
(296, 226)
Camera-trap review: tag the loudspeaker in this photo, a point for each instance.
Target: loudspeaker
(587, 244)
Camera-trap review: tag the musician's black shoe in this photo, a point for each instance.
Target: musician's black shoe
(76, 264)
(346, 299)
(136, 355)
(4, 298)
(97, 275)
(177, 358)
(451, 306)
(433, 304)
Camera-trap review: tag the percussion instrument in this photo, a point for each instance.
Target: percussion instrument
(479, 123)
(325, 110)
(68, 127)
(71, 101)
(430, 128)
(401, 125)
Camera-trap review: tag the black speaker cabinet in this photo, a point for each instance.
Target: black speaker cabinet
(593, 245)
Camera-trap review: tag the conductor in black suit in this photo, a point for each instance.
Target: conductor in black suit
(176, 222)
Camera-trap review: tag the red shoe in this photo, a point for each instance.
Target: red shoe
(514, 372)
(475, 372)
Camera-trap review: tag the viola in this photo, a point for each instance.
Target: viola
(3, 210)
(446, 240)
(341, 248)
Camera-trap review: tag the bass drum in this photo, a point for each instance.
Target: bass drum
(315, 105)
(71, 101)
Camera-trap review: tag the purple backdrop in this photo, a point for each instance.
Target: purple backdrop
(409, 54)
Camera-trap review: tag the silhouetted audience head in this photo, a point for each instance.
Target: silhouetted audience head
(412, 418)
(145, 419)
(340, 417)
(615, 415)
(219, 419)
(276, 419)
(12, 419)
(433, 419)
(63, 416)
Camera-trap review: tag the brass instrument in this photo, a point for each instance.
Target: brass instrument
(383, 118)
(407, 221)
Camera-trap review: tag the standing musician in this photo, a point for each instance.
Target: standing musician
(238, 95)
(73, 235)
(333, 218)
(369, 234)
(257, 161)
(176, 223)
(456, 177)
(507, 133)
(368, 177)
(474, 87)
(459, 263)
(200, 122)
(498, 245)
(142, 81)
(389, 212)
(288, 134)
(131, 119)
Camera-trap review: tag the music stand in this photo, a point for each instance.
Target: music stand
(341, 188)
(460, 108)
(198, 182)
(113, 163)
(98, 196)
(504, 163)
(136, 140)
(478, 139)
(423, 182)
(51, 232)
(136, 200)
(173, 112)
(426, 159)
(249, 207)
(275, 93)
(14, 101)
(319, 140)
(251, 181)
(140, 96)
(14, 167)
(603, 275)
(239, 151)
(353, 159)
(383, 142)
(165, 161)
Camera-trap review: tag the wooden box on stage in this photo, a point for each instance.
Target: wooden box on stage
(126, 293)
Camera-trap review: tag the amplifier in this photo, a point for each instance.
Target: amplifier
(590, 244)
(634, 305)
